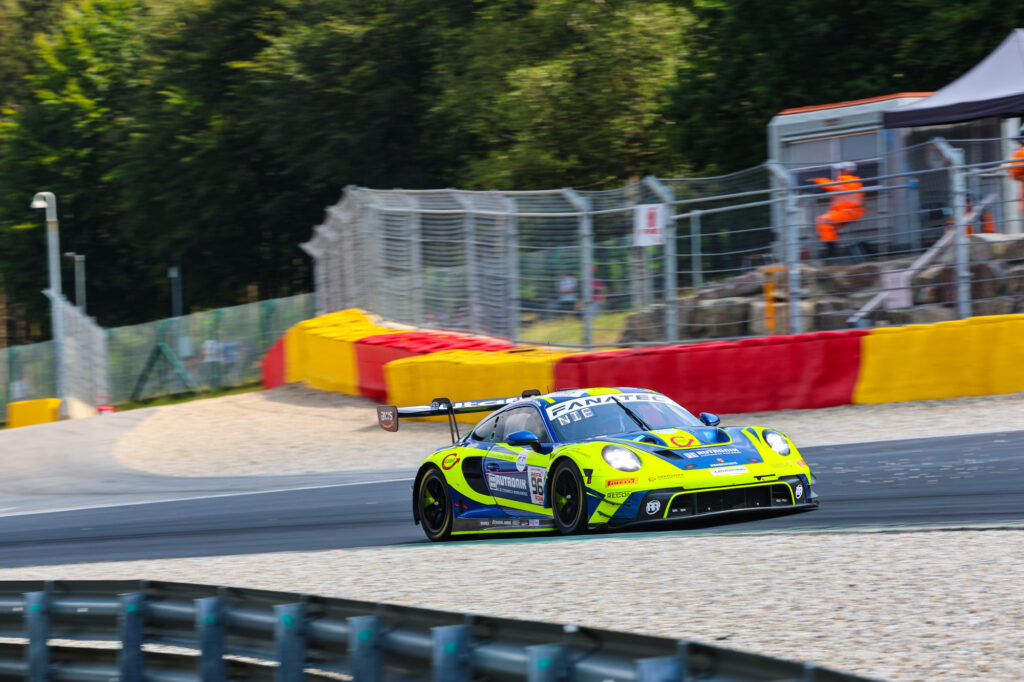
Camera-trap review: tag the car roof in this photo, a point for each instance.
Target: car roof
(549, 399)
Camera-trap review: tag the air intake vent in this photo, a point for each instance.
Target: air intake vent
(669, 454)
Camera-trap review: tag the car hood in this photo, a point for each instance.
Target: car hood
(695, 448)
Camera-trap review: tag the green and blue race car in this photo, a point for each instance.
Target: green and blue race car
(599, 457)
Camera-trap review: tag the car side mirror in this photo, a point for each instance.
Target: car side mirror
(525, 438)
(710, 418)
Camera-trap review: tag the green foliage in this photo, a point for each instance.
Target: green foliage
(213, 133)
(562, 92)
(751, 59)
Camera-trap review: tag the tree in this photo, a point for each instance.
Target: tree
(749, 60)
(565, 92)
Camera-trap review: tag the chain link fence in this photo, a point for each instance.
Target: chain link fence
(739, 255)
(207, 350)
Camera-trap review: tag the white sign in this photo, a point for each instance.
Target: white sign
(649, 224)
(896, 285)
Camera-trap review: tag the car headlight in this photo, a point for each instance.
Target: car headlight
(776, 442)
(620, 458)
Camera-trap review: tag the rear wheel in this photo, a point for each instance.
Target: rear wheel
(434, 505)
(568, 499)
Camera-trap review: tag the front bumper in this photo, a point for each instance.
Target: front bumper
(784, 494)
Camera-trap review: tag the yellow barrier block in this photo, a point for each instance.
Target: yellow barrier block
(29, 412)
(319, 351)
(469, 375)
(977, 356)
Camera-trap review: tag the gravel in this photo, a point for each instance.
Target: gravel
(911, 604)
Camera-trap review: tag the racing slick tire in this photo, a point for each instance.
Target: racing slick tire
(568, 499)
(434, 504)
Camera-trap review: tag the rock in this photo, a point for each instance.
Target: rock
(645, 326)
(850, 278)
(989, 247)
(721, 318)
(937, 284)
(992, 306)
(831, 313)
(759, 323)
(1013, 280)
(748, 284)
(922, 314)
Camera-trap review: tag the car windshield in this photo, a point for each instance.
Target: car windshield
(583, 419)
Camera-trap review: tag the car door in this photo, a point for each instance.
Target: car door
(516, 473)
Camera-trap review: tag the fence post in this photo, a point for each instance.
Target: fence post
(955, 158)
(289, 632)
(451, 653)
(472, 279)
(586, 233)
(130, 621)
(696, 274)
(210, 627)
(963, 264)
(789, 235)
(512, 265)
(547, 662)
(416, 267)
(364, 653)
(37, 626)
(667, 195)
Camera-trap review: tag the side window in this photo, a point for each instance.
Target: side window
(523, 419)
(485, 431)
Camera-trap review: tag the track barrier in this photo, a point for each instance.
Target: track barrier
(349, 351)
(752, 375)
(976, 356)
(224, 633)
(373, 352)
(30, 412)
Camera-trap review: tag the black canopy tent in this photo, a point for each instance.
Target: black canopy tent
(995, 87)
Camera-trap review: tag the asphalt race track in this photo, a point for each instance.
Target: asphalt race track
(976, 480)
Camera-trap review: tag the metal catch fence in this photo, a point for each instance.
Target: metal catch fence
(182, 632)
(729, 256)
(206, 350)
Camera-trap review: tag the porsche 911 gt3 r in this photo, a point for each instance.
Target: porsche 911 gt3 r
(599, 457)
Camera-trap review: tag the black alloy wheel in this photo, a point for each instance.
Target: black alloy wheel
(568, 499)
(435, 506)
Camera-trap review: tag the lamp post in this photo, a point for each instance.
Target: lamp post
(46, 203)
(79, 260)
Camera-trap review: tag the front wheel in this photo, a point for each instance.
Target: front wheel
(568, 499)
(435, 506)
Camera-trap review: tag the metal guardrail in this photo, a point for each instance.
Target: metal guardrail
(224, 633)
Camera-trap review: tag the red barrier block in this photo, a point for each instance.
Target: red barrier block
(272, 372)
(801, 371)
(373, 352)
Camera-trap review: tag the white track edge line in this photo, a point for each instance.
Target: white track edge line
(197, 497)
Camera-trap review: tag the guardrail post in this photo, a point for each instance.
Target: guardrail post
(364, 653)
(547, 663)
(130, 621)
(664, 669)
(290, 635)
(451, 653)
(210, 631)
(37, 626)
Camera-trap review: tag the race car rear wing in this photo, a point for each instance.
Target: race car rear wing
(389, 415)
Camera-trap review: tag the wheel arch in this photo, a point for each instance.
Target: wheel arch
(416, 486)
(550, 480)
